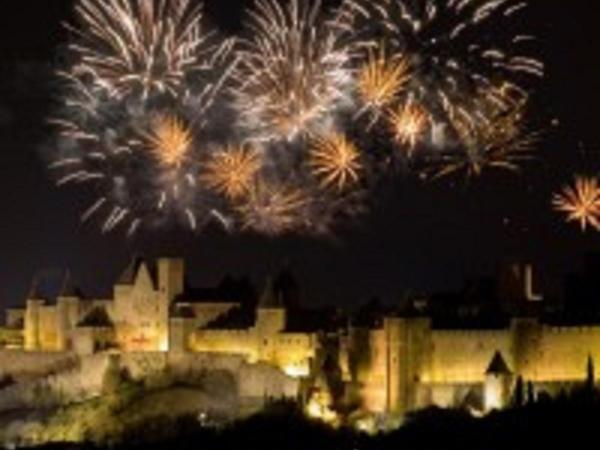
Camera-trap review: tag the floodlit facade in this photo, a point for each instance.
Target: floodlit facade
(152, 311)
(397, 363)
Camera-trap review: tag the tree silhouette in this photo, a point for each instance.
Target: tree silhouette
(519, 396)
(590, 381)
(530, 393)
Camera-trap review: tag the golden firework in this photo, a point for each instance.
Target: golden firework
(231, 172)
(580, 203)
(273, 208)
(335, 161)
(294, 74)
(170, 141)
(408, 123)
(492, 135)
(382, 79)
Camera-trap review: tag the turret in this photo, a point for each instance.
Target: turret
(32, 324)
(35, 302)
(498, 384)
(407, 350)
(171, 274)
(181, 327)
(271, 312)
(68, 312)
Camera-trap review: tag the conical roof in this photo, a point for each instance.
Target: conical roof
(498, 366)
(51, 284)
(130, 273)
(270, 298)
(69, 288)
(287, 287)
(96, 318)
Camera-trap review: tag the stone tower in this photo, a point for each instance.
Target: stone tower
(34, 305)
(171, 278)
(171, 275)
(271, 312)
(407, 349)
(181, 327)
(142, 301)
(67, 313)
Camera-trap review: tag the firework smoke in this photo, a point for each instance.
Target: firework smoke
(274, 132)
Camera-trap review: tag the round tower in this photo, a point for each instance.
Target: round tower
(498, 384)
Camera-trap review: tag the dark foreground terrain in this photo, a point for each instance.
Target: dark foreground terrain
(569, 422)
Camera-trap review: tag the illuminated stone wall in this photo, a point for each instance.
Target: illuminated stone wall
(51, 379)
(560, 354)
(22, 365)
(267, 342)
(233, 342)
(407, 365)
(394, 361)
(59, 380)
(48, 328)
(291, 352)
(464, 356)
(11, 338)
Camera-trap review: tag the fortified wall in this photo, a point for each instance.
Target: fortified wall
(411, 365)
(157, 326)
(48, 380)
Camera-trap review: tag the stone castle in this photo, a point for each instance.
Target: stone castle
(388, 362)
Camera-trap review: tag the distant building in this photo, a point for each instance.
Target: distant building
(442, 351)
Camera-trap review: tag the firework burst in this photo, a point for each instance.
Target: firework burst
(580, 203)
(170, 141)
(496, 140)
(454, 49)
(293, 74)
(335, 162)
(232, 172)
(380, 82)
(142, 46)
(408, 124)
(274, 208)
(137, 105)
(145, 91)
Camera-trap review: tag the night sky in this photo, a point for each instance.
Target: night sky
(419, 236)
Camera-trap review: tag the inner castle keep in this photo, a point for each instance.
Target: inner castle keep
(385, 361)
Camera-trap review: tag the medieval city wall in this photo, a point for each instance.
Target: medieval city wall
(56, 382)
(45, 379)
(464, 356)
(235, 380)
(234, 342)
(560, 354)
(22, 365)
